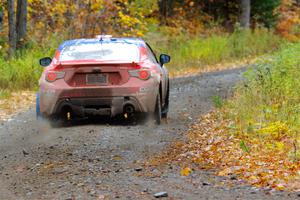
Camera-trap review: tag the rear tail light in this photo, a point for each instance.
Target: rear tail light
(142, 74)
(52, 76)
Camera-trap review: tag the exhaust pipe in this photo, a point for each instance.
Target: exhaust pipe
(66, 113)
(128, 110)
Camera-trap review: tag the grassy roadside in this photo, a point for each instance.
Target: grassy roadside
(254, 135)
(15, 102)
(23, 71)
(194, 54)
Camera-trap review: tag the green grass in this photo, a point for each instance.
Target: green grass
(217, 101)
(197, 52)
(4, 94)
(23, 71)
(267, 103)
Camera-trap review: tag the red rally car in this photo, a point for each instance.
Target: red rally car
(103, 76)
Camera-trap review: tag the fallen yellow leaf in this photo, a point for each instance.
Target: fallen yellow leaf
(280, 187)
(225, 172)
(186, 171)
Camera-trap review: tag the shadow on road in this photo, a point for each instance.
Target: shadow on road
(103, 120)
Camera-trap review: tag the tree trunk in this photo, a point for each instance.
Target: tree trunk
(21, 24)
(12, 28)
(246, 11)
(165, 10)
(1, 19)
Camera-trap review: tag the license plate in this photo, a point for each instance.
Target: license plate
(96, 79)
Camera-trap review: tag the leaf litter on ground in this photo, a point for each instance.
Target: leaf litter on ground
(211, 145)
(16, 102)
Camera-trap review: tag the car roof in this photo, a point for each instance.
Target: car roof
(135, 41)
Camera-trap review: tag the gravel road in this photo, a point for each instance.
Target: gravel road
(101, 159)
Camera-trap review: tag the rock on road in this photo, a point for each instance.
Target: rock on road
(101, 160)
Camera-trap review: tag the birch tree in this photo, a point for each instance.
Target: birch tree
(246, 13)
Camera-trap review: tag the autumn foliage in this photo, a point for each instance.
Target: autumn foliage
(289, 20)
(262, 163)
(134, 18)
(88, 18)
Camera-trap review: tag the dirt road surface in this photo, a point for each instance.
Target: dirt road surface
(101, 160)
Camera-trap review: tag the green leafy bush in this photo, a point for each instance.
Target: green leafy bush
(268, 100)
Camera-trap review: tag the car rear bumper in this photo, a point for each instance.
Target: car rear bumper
(110, 101)
(108, 106)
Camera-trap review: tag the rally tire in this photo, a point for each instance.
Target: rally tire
(38, 108)
(157, 112)
(165, 110)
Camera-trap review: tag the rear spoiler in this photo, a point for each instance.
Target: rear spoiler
(96, 62)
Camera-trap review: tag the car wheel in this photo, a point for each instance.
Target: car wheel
(157, 112)
(37, 107)
(166, 106)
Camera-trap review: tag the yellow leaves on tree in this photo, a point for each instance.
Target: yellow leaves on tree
(131, 24)
(97, 5)
(89, 18)
(289, 20)
(185, 15)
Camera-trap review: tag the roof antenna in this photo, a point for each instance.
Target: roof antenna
(101, 37)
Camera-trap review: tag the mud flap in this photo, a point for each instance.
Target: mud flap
(37, 107)
(157, 112)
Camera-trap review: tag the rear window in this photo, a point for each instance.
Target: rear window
(101, 51)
